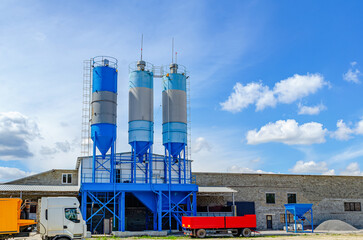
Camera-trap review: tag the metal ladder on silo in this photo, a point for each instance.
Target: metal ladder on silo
(189, 122)
(86, 104)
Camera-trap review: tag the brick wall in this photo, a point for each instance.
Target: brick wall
(327, 193)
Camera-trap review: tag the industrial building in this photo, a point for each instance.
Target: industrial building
(334, 197)
(141, 190)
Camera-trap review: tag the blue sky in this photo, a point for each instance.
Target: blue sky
(275, 85)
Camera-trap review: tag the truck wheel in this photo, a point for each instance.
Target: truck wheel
(246, 232)
(237, 232)
(201, 233)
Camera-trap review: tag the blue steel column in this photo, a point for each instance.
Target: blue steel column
(286, 220)
(122, 215)
(194, 203)
(155, 220)
(84, 205)
(312, 220)
(160, 211)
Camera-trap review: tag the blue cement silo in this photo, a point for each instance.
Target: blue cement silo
(174, 101)
(104, 104)
(141, 118)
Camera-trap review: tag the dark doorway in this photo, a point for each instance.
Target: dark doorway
(244, 208)
(269, 221)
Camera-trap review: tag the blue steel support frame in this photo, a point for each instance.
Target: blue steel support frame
(298, 219)
(114, 192)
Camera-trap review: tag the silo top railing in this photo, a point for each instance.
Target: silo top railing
(148, 67)
(101, 61)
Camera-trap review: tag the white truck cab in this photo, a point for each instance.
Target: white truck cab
(60, 219)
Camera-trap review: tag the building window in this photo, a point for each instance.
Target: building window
(352, 206)
(291, 198)
(270, 197)
(290, 218)
(66, 178)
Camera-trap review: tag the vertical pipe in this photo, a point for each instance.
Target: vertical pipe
(184, 170)
(160, 211)
(112, 162)
(132, 165)
(122, 212)
(94, 160)
(134, 181)
(150, 165)
(147, 165)
(179, 170)
(165, 167)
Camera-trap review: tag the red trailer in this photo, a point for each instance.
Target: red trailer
(200, 226)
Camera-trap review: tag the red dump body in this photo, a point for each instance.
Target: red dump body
(246, 221)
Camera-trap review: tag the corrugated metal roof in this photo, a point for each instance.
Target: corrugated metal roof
(37, 188)
(216, 190)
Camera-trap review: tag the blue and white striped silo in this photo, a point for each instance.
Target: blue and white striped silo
(174, 101)
(104, 103)
(141, 109)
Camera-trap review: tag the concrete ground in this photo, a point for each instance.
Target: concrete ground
(277, 235)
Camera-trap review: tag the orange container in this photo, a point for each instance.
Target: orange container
(10, 211)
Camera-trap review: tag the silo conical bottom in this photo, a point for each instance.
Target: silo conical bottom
(175, 148)
(140, 147)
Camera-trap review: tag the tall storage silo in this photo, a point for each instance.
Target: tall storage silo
(104, 103)
(141, 108)
(174, 102)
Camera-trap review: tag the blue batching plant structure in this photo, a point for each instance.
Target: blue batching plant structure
(112, 184)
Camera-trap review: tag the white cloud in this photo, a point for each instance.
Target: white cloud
(243, 96)
(359, 128)
(201, 144)
(298, 86)
(8, 173)
(352, 75)
(352, 169)
(285, 91)
(288, 132)
(236, 169)
(16, 130)
(312, 167)
(343, 132)
(329, 172)
(310, 110)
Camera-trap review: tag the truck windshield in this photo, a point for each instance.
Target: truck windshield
(71, 214)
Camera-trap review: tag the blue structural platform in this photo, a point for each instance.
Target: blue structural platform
(299, 210)
(167, 198)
